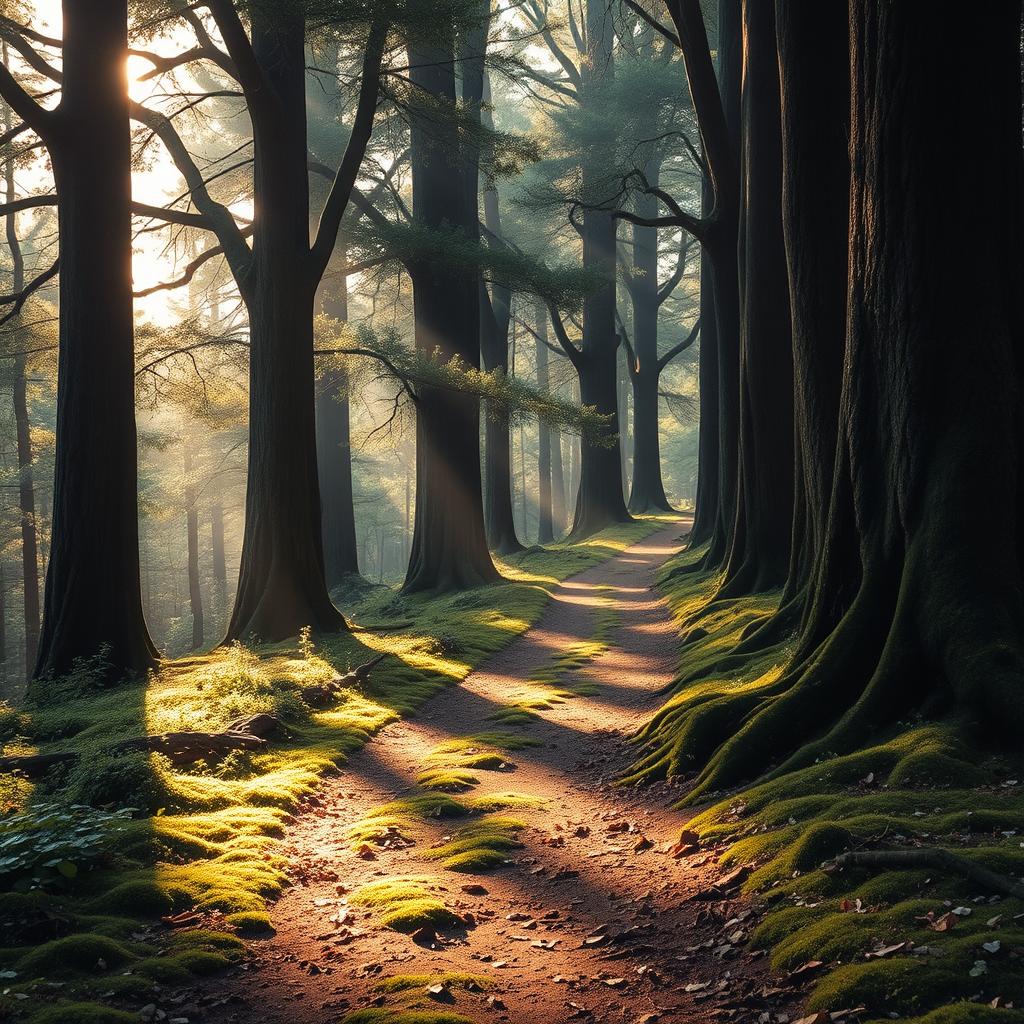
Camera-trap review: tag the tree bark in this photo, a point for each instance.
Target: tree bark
(762, 531)
(449, 546)
(23, 431)
(545, 516)
(93, 597)
(334, 457)
(717, 107)
(195, 592)
(281, 584)
(600, 502)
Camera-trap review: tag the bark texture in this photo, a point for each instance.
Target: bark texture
(93, 597)
(449, 545)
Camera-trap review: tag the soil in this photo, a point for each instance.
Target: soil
(596, 918)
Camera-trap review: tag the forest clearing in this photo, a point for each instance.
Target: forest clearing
(511, 512)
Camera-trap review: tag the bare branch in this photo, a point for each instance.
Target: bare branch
(667, 358)
(20, 298)
(345, 179)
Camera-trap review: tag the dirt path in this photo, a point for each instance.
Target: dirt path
(592, 919)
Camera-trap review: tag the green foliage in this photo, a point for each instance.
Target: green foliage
(406, 904)
(56, 839)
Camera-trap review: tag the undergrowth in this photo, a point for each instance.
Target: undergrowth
(207, 839)
(916, 943)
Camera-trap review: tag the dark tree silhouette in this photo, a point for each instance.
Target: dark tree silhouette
(449, 545)
(93, 595)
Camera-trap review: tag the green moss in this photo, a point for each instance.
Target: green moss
(479, 846)
(82, 1013)
(93, 953)
(409, 982)
(379, 1015)
(448, 780)
(920, 784)
(251, 922)
(406, 904)
(490, 802)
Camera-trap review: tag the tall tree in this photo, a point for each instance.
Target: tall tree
(93, 596)
(195, 590)
(449, 545)
(23, 430)
(281, 585)
(761, 532)
(929, 614)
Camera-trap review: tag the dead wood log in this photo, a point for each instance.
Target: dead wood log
(939, 859)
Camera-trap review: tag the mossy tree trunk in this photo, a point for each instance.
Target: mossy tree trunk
(929, 430)
(93, 597)
(449, 545)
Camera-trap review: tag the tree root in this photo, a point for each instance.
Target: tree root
(942, 860)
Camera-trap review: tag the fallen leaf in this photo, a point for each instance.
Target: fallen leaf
(877, 954)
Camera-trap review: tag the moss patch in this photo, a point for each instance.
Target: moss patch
(407, 904)
(923, 784)
(479, 846)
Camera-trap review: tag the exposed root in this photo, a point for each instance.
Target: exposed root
(942, 860)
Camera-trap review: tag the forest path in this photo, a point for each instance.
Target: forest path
(594, 860)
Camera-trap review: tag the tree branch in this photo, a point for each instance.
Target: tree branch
(218, 216)
(42, 121)
(653, 22)
(677, 275)
(27, 203)
(345, 179)
(20, 298)
(667, 358)
(574, 354)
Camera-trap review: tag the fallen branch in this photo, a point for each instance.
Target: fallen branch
(182, 748)
(939, 859)
(322, 695)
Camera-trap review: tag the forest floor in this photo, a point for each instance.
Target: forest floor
(583, 913)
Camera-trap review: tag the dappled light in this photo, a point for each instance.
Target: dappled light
(511, 512)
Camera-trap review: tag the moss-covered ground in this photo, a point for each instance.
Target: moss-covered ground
(914, 943)
(80, 931)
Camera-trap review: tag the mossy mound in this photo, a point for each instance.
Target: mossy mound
(379, 1015)
(479, 846)
(82, 1013)
(407, 904)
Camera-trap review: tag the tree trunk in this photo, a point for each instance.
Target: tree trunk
(600, 501)
(495, 319)
(23, 430)
(334, 458)
(706, 502)
(220, 571)
(928, 439)
(717, 107)
(281, 583)
(195, 592)
(93, 596)
(760, 545)
(449, 546)
(648, 490)
(813, 42)
(545, 515)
